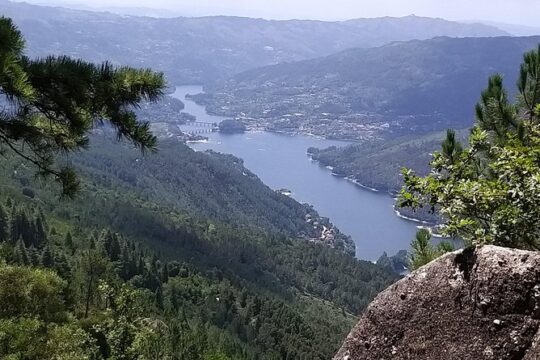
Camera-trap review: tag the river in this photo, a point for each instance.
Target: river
(280, 161)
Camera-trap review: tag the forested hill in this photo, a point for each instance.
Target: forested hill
(210, 185)
(403, 87)
(168, 254)
(196, 50)
(378, 164)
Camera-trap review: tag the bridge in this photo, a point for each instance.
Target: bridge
(199, 127)
(202, 124)
(199, 131)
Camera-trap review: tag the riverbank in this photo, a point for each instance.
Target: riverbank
(300, 133)
(413, 219)
(279, 160)
(391, 194)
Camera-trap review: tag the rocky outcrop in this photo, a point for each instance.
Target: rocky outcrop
(477, 303)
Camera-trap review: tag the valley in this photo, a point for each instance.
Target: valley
(281, 161)
(253, 216)
(206, 49)
(404, 88)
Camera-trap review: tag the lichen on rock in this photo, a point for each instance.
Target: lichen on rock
(476, 303)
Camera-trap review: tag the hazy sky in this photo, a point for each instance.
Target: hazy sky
(525, 12)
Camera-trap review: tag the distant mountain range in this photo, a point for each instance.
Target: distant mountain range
(118, 10)
(196, 50)
(515, 29)
(403, 87)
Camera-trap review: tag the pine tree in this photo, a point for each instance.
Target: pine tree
(159, 298)
(529, 83)
(92, 267)
(20, 255)
(57, 100)
(494, 112)
(47, 258)
(40, 236)
(33, 256)
(487, 193)
(114, 249)
(451, 148)
(164, 274)
(4, 225)
(61, 264)
(106, 238)
(68, 242)
(243, 298)
(14, 226)
(26, 228)
(421, 250)
(92, 243)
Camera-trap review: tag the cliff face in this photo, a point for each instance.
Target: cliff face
(478, 303)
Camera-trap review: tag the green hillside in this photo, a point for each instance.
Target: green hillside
(221, 287)
(378, 164)
(197, 50)
(401, 88)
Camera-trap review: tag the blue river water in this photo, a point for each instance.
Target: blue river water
(280, 161)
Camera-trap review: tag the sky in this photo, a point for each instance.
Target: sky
(522, 12)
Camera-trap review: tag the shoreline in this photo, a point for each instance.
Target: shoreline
(263, 128)
(303, 133)
(418, 221)
(349, 178)
(357, 183)
(352, 180)
(405, 223)
(433, 234)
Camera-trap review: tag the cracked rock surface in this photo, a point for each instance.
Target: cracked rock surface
(477, 303)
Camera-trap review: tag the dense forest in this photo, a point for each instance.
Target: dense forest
(122, 272)
(212, 185)
(113, 246)
(378, 164)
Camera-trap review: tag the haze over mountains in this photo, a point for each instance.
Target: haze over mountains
(196, 50)
(414, 86)
(188, 253)
(515, 29)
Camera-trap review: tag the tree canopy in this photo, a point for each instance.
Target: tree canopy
(489, 192)
(52, 104)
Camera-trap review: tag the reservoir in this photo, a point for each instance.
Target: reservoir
(280, 161)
